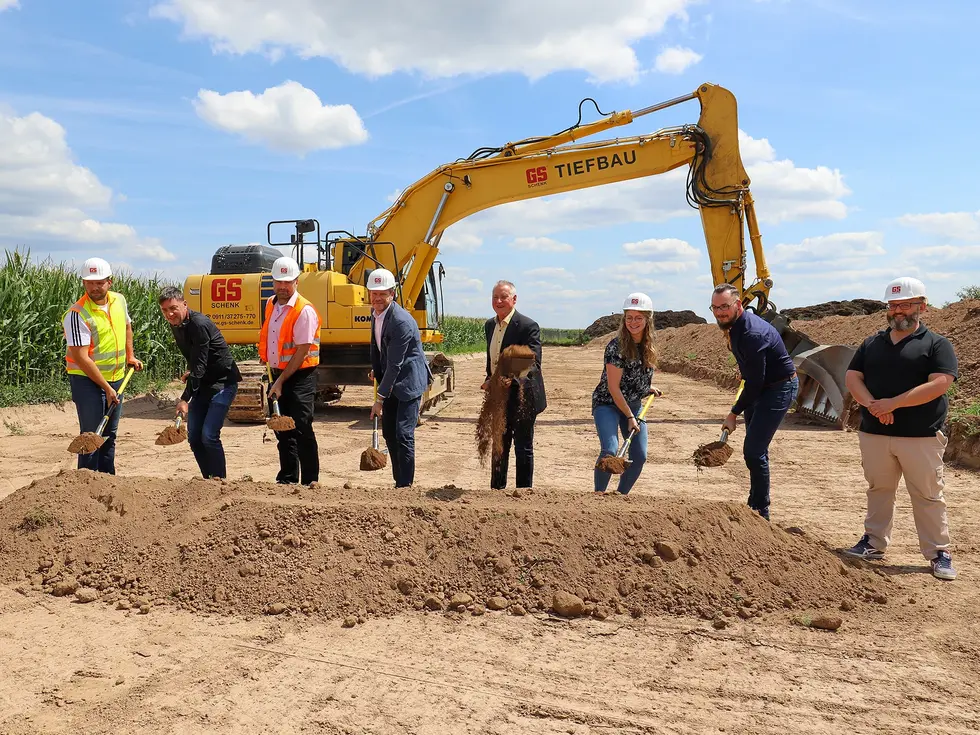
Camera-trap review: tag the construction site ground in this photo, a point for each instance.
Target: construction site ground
(353, 608)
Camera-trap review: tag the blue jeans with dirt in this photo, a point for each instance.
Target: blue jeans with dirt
(610, 423)
(91, 406)
(762, 419)
(206, 414)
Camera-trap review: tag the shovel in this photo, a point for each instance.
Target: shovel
(617, 465)
(278, 422)
(716, 453)
(173, 434)
(373, 458)
(89, 441)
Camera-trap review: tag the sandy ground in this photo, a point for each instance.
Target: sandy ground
(69, 668)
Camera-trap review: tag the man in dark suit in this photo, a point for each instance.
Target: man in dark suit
(401, 371)
(510, 327)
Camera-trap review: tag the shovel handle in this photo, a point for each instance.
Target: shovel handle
(275, 401)
(112, 409)
(724, 436)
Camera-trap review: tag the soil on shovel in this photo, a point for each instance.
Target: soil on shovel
(373, 459)
(281, 423)
(223, 547)
(612, 465)
(714, 454)
(86, 443)
(172, 435)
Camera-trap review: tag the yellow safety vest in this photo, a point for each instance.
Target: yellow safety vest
(108, 346)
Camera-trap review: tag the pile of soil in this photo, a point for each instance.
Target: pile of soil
(661, 320)
(854, 307)
(252, 548)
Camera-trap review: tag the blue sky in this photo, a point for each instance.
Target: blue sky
(152, 132)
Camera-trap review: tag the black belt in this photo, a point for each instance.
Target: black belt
(781, 380)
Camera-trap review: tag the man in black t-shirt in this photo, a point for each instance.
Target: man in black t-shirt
(900, 377)
(212, 379)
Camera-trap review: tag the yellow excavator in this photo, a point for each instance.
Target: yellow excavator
(405, 240)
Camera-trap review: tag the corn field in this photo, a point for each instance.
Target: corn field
(33, 300)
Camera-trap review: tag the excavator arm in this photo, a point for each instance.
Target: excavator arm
(717, 185)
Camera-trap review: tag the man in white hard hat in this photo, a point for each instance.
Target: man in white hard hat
(400, 368)
(290, 343)
(769, 387)
(510, 327)
(99, 335)
(900, 376)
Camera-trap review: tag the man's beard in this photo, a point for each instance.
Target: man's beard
(725, 326)
(904, 323)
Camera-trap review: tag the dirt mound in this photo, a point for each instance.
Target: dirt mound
(252, 548)
(661, 320)
(854, 307)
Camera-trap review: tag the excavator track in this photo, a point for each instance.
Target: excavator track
(249, 406)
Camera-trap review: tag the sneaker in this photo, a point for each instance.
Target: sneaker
(942, 566)
(864, 550)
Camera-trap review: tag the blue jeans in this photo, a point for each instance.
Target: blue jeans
(91, 407)
(206, 414)
(762, 419)
(609, 423)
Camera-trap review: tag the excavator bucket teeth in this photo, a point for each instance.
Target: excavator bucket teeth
(823, 395)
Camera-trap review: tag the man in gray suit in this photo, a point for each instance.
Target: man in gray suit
(400, 368)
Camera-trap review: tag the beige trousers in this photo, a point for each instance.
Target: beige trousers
(920, 459)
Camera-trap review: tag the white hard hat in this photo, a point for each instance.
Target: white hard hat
(905, 288)
(95, 269)
(285, 269)
(638, 302)
(380, 279)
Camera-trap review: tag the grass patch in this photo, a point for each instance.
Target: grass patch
(14, 428)
(36, 519)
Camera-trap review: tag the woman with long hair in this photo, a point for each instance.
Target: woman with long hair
(627, 373)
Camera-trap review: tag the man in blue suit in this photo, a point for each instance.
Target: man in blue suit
(400, 368)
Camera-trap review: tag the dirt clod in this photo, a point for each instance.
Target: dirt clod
(172, 435)
(373, 459)
(86, 594)
(497, 603)
(668, 551)
(826, 622)
(567, 605)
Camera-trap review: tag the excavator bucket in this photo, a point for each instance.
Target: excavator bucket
(823, 394)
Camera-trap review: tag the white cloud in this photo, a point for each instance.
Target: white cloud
(534, 39)
(550, 273)
(953, 225)
(541, 244)
(49, 200)
(669, 247)
(457, 239)
(8, 5)
(947, 253)
(676, 59)
(784, 191)
(288, 118)
(840, 248)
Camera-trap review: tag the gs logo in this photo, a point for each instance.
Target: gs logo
(226, 289)
(536, 176)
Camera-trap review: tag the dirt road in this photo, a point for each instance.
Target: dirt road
(908, 664)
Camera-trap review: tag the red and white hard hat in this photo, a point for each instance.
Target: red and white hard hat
(95, 269)
(380, 279)
(638, 302)
(285, 269)
(905, 288)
